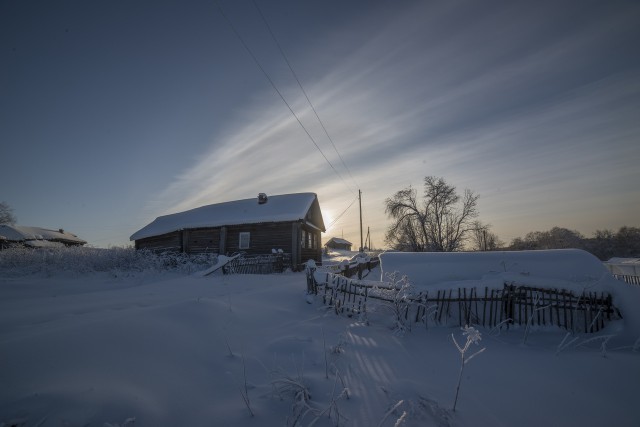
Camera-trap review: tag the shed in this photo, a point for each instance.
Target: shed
(288, 222)
(624, 266)
(338, 243)
(36, 237)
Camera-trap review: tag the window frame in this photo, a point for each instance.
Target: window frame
(244, 235)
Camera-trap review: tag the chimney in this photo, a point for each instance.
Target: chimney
(262, 198)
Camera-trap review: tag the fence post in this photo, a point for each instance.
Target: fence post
(310, 269)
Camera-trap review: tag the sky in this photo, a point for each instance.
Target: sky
(115, 112)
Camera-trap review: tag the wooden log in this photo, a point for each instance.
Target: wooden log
(538, 298)
(573, 312)
(477, 312)
(419, 308)
(426, 305)
(503, 305)
(484, 306)
(459, 308)
(491, 323)
(524, 303)
(564, 304)
(588, 312)
(448, 301)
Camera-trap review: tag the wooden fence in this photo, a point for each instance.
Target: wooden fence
(513, 304)
(355, 269)
(259, 264)
(633, 280)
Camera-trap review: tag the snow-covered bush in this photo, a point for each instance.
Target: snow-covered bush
(22, 261)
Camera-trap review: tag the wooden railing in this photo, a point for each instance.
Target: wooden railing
(258, 264)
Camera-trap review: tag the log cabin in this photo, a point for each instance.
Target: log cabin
(36, 237)
(288, 222)
(338, 243)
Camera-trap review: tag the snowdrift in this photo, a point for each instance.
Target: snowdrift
(571, 269)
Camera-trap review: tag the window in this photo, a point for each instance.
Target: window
(309, 240)
(303, 239)
(244, 240)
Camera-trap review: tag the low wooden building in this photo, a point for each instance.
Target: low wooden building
(291, 223)
(338, 243)
(36, 237)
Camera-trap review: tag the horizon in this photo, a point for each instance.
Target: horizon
(115, 114)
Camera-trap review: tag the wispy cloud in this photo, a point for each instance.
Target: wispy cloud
(522, 116)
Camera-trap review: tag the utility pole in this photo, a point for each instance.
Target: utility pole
(360, 202)
(367, 240)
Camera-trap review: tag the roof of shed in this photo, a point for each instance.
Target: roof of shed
(624, 266)
(339, 241)
(278, 208)
(19, 233)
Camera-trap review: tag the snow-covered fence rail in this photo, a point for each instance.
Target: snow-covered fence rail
(355, 268)
(633, 280)
(260, 264)
(511, 305)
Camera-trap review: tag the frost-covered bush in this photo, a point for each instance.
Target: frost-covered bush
(21, 261)
(398, 296)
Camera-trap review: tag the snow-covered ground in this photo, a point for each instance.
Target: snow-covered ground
(156, 348)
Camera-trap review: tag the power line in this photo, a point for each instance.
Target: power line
(244, 44)
(343, 212)
(303, 91)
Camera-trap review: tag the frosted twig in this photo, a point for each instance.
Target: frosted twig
(499, 325)
(562, 344)
(473, 337)
(244, 392)
(389, 412)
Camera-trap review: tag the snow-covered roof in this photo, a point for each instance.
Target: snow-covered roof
(20, 233)
(339, 241)
(624, 266)
(561, 268)
(278, 208)
(43, 244)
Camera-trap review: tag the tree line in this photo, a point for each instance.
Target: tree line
(442, 220)
(605, 244)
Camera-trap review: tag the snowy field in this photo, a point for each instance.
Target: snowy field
(173, 348)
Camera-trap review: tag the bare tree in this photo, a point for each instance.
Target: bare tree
(440, 221)
(405, 236)
(6, 214)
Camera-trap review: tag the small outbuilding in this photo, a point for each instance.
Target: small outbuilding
(338, 243)
(290, 223)
(36, 237)
(627, 269)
